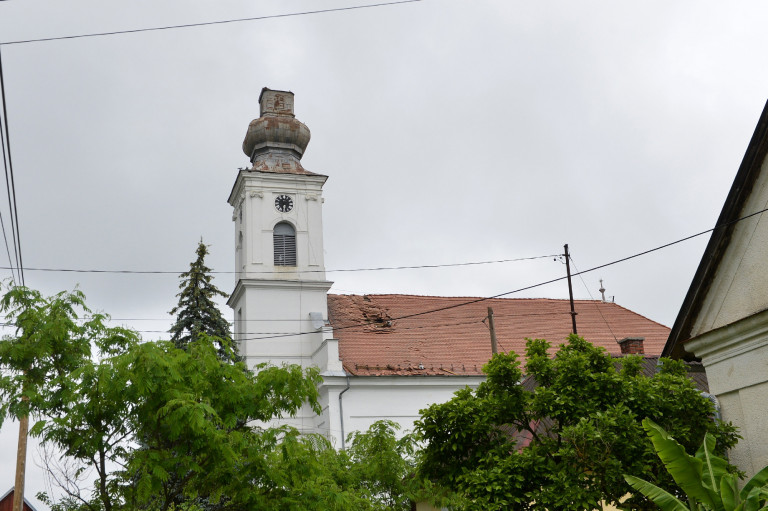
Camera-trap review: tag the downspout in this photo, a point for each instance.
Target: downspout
(341, 415)
(715, 403)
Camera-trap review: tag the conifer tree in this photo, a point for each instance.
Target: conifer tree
(196, 312)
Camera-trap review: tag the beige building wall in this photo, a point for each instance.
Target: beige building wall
(736, 360)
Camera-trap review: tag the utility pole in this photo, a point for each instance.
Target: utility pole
(494, 349)
(570, 287)
(21, 462)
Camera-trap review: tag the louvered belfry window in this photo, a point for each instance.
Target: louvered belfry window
(284, 239)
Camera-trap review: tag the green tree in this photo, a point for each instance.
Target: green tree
(383, 465)
(307, 473)
(197, 313)
(164, 428)
(375, 472)
(194, 418)
(48, 343)
(565, 441)
(147, 425)
(51, 375)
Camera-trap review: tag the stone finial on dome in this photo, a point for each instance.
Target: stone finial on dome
(276, 141)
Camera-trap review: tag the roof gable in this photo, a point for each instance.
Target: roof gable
(383, 335)
(731, 278)
(6, 502)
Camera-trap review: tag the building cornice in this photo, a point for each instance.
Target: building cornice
(731, 340)
(275, 179)
(296, 285)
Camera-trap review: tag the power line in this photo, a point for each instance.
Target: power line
(418, 327)
(246, 273)
(280, 320)
(378, 268)
(206, 23)
(482, 299)
(532, 286)
(596, 306)
(477, 300)
(10, 185)
(285, 320)
(5, 167)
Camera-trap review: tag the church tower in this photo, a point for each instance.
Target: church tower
(280, 296)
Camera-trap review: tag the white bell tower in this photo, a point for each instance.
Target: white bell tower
(279, 300)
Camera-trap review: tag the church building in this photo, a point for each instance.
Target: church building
(380, 356)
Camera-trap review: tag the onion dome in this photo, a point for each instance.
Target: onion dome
(275, 142)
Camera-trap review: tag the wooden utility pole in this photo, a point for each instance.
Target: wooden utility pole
(570, 287)
(494, 349)
(21, 463)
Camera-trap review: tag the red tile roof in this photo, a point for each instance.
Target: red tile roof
(382, 335)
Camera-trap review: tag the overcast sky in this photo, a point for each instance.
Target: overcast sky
(451, 131)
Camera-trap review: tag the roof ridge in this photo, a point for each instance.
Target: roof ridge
(638, 314)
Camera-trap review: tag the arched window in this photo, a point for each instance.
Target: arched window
(284, 239)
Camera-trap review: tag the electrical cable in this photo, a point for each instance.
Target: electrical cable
(231, 323)
(482, 299)
(5, 167)
(246, 274)
(419, 327)
(9, 184)
(206, 23)
(532, 286)
(478, 300)
(595, 301)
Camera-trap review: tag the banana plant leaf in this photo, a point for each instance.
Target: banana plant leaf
(759, 480)
(715, 467)
(665, 500)
(685, 469)
(729, 493)
(752, 502)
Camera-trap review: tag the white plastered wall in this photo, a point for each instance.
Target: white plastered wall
(283, 311)
(372, 398)
(736, 361)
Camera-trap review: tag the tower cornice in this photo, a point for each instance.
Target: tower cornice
(295, 285)
(275, 180)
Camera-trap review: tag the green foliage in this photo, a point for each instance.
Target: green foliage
(156, 427)
(706, 479)
(375, 472)
(306, 472)
(197, 313)
(383, 465)
(55, 378)
(192, 421)
(564, 439)
(49, 343)
(165, 428)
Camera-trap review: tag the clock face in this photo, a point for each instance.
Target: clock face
(283, 203)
